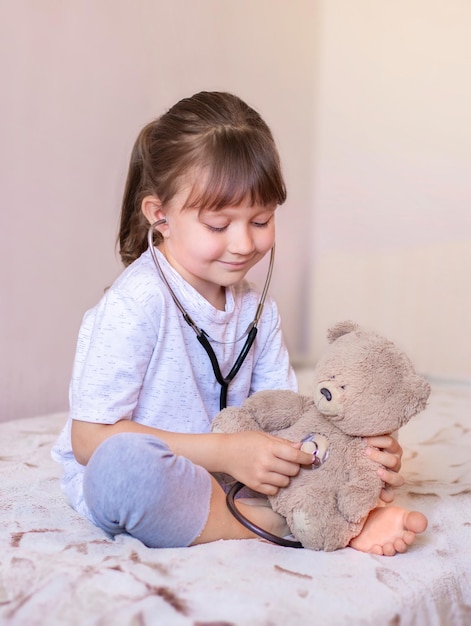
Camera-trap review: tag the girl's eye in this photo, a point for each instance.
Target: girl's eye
(263, 224)
(216, 229)
(221, 229)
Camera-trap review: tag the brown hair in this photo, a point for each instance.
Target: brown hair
(211, 132)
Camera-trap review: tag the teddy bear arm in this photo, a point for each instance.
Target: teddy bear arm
(277, 409)
(360, 493)
(233, 420)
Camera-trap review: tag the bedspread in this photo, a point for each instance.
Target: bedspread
(55, 568)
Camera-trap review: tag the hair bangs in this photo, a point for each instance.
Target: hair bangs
(238, 167)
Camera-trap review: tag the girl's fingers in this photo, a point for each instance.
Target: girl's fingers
(387, 494)
(285, 468)
(279, 475)
(391, 461)
(389, 456)
(393, 479)
(386, 443)
(291, 452)
(268, 490)
(274, 465)
(273, 483)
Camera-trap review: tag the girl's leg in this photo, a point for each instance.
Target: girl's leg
(221, 524)
(134, 484)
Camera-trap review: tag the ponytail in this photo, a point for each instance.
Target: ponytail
(132, 237)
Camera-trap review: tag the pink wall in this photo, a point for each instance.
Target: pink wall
(79, 80)
(369, 103)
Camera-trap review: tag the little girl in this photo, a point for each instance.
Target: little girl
(137, 452)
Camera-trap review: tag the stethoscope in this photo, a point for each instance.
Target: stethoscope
(224, 381)
(202, 336)
(319, 448)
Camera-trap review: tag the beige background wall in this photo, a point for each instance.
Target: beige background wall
(392, 177)
(368, 102)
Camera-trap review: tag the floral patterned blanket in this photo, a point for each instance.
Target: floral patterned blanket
(55, 568)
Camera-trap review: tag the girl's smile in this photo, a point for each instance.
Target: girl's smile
(214, 249)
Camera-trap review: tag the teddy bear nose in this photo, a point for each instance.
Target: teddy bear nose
(326, 393)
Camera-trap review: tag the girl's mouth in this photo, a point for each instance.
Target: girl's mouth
(236, 265)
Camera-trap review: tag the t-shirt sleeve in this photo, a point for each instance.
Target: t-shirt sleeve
(272, 366)
(115, 344)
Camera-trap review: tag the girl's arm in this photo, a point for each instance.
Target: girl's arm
(259, 460)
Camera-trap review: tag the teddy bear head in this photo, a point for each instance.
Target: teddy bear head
(365, 384)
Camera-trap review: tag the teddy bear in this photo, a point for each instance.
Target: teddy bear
(363, 386)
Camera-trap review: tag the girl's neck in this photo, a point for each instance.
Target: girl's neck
(219, 301)
(214, 294)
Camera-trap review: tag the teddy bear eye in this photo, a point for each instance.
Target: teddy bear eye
(343, 386)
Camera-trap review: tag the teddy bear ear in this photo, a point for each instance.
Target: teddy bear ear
(422, 390)
(414, 399)
(341, 328)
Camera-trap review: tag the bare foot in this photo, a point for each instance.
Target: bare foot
(388, 530)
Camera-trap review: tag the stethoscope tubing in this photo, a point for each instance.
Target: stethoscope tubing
(281, 541)
(224, 381)
(201, 335)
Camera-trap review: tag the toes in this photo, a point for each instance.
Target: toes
(401, 545)
(389, 549)
(408, 537)
(389, 530)
(415, 521)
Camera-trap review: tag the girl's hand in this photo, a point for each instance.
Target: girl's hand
(388, 455)
(263, 462)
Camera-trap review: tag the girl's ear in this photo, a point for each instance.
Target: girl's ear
(152, 209)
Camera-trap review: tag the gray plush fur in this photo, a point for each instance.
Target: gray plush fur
(373, 390)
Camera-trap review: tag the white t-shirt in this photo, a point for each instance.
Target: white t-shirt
(138, 359)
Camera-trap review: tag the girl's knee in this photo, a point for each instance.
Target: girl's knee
(135, 484)
(118, 470)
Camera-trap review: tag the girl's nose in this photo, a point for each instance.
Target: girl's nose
(241, 242)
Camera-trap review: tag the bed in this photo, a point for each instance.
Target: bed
(57, 569)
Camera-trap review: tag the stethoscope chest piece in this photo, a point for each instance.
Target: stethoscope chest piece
(317, 445)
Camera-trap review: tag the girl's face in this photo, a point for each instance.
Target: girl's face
(215, 249)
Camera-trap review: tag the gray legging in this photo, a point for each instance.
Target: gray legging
(134, 484)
